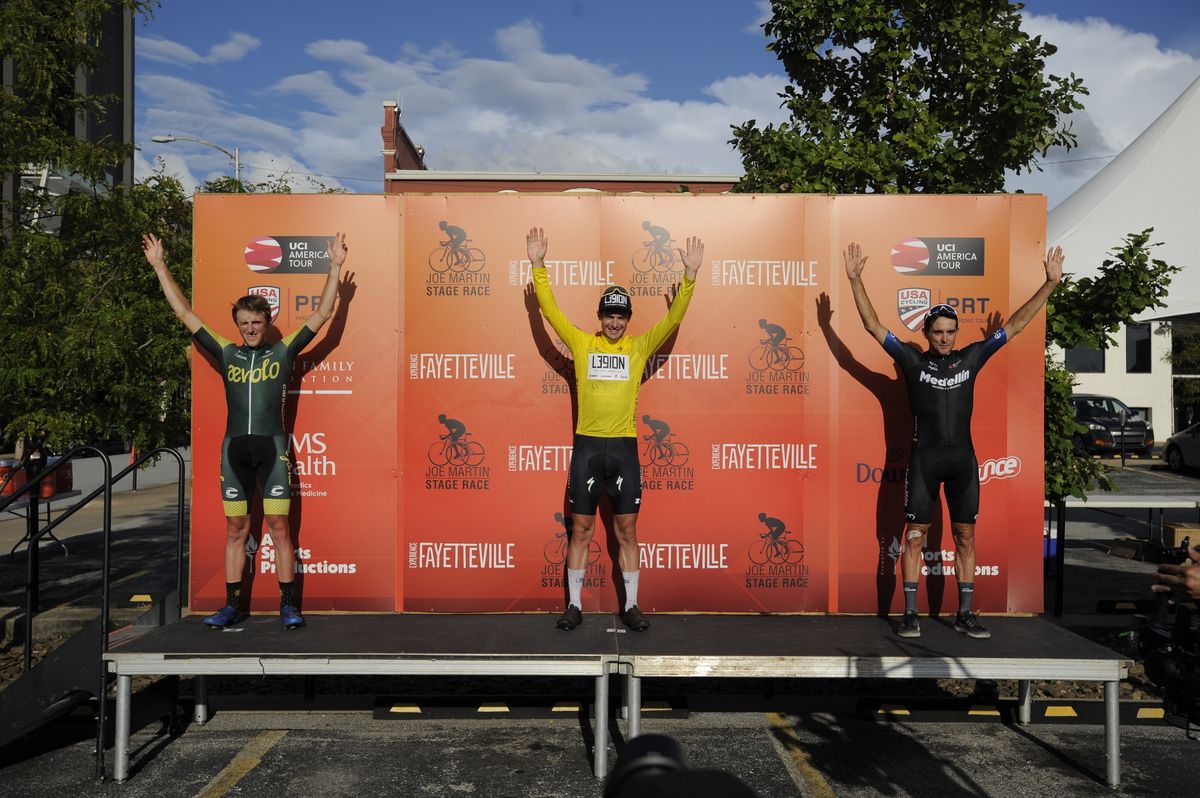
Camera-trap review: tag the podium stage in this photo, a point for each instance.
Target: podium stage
(677, 646)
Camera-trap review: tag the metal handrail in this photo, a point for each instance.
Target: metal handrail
(37, 533)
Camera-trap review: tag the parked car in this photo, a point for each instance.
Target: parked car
(1183, 449)
(1110, 423)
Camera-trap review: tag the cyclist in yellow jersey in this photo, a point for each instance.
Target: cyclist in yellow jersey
(608, 373)
(256, 374)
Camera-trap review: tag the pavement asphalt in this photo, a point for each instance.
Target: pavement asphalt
(267, 739)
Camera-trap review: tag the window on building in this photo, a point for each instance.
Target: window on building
(1137, 348)
(1085, 360)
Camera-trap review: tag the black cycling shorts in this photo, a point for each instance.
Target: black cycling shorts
(250, 460)
(953, 467)
(599, 463)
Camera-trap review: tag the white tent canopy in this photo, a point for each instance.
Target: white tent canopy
(1154, 182)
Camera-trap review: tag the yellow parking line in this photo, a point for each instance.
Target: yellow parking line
(246, 760)
(892, 709)
(799, 764)
(984, 710)
(1151, 713)
(408, 709)
(1060, 712)
(566, 706)
(493, 706)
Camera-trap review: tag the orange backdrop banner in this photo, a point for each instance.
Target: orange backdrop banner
(439, 331)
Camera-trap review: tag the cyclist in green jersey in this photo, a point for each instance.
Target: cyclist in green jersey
(256, 374)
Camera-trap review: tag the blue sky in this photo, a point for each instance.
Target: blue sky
(560, 85)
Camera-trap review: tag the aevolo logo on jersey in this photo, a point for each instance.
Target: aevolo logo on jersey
(288, 254)
(999, 468)
(942, 257)
(271, 293)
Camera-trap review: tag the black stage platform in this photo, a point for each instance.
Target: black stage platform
(677, 646)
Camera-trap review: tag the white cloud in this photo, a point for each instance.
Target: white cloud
(234, 48)
(1132, 79)
(528, 110)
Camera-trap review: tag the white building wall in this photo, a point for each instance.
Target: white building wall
(1151, 390)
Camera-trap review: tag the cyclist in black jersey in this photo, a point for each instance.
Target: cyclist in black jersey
(941, 383)
(255, 450)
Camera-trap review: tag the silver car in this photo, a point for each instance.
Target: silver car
(1183, 449)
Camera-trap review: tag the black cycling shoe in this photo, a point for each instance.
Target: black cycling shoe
(570, 619)
(970, 626)
(910, 625)
(635, 620)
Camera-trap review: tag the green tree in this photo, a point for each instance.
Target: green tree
(1087, 312)
(901, 96)
(92, 351)
(905, 96)
(70, 316)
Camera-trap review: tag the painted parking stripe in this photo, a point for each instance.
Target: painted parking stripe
(805, 775)
(246, 760)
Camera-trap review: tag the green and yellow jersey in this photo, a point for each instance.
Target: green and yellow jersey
(256, 379)
(607, 374)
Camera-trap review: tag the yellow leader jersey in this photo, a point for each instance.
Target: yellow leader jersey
(608, 375)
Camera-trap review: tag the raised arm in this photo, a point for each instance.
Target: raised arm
(535, 245)
(337, 250)
(153, 249)
(855, 263)
(693, 257)
(1025, 313)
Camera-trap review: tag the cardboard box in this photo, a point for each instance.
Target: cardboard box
(1175, 531)
(1129, 548)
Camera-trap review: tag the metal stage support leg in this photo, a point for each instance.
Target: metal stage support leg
(633, 704)
(200, 688)
(121, 741)
(600, 728)
(1112, 732)
(1024, 702)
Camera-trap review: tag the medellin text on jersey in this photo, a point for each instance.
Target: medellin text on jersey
(941, 388)
(256, 379)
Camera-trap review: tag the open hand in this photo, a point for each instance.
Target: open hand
(535, 245)
(854, 260)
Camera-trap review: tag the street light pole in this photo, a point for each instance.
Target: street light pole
(235, 156)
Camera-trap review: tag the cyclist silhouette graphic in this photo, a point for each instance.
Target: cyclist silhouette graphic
(776, 335)
(456, 428)
(458, 236)
(453, 254)
(774, 352)
(453, 448)
(776, 548)
(660, 430)
(775, 528)
(660, 448)
(655, 254)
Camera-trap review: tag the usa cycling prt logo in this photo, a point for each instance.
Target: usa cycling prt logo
(271, 293)
(912, 304)
(938, 257)
(288, 254)
(456, 266)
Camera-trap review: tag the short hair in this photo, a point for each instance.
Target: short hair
(939, 312)
(254, 304)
